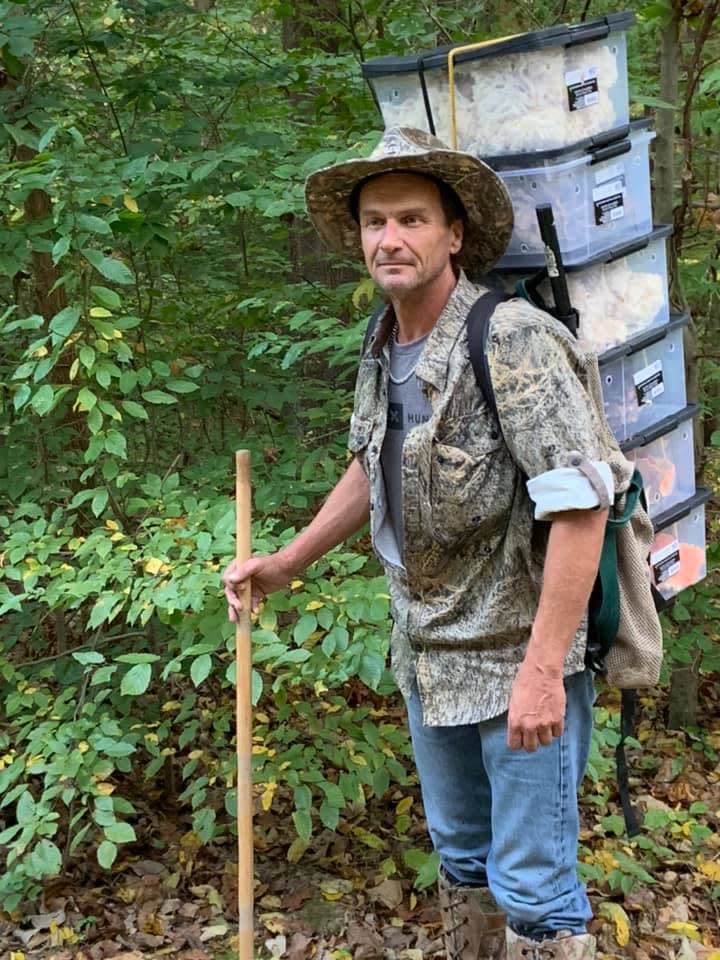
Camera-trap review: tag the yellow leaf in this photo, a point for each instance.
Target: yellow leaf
(614, 912)
(105, 789)
(153, 566)
(74, 367)
(332, 895)
(413, 901)
(99, 312)
(268, 794)
(711, 868)
(40, 352)
(257, 750)
(688, 930)
(17, 955)
(358, 759)
(195, 754)
(314, 605)
(83, 746)
(404, 806)
(363, 293)
(130, 204)
(296, 584)
(296, 849)
(262, 717)
(112, 525)
(171, 706)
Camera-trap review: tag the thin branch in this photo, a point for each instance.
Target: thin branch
(90, 645)
(97, 75)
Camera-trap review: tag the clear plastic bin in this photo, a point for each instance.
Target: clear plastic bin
(677, 555)
(600, 200)
(619, 294)
(535, 91)
(643, 381)
(666, 459)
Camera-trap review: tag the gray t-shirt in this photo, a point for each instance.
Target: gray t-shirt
(407, 407)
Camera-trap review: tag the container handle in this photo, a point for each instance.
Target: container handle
(451, 78)
(586, 35)
(613, 150)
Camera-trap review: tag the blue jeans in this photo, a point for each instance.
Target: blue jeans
(506, 818)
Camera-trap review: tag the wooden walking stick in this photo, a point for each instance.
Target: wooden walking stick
(243, 713)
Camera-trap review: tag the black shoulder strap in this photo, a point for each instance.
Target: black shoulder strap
(478, 325)
(372, 324)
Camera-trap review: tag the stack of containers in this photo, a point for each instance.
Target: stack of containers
(549, 111)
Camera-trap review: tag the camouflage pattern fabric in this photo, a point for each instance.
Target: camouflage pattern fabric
(464, 605)
(487, 203)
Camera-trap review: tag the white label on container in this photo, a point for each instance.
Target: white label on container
(582, 88)
(649, 383)
(609, 201)
(666, 561)
(615, 171)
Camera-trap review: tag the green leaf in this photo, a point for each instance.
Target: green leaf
(60, 249)
(43, 400)
(158, 396)
(303, 824)
(109, 267)
(120, 832)
(182, 386)
(257, 687)
(138, 658)
(136, 680)
(306, 625)
(134, 409)
(86, 657)
(200, 668)
(106, 297)
(93, 224)
(116, 444)
(106, 854)
(99, 502)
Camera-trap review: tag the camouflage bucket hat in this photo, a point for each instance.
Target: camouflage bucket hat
(405, 149)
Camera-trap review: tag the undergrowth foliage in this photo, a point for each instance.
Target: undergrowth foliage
(160, 305)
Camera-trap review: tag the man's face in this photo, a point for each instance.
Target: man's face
(406, 240)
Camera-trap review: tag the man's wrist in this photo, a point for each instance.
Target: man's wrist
(543, 661)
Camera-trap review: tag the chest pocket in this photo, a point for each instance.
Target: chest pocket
(471, 479)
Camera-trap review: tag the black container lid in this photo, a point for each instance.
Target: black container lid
(562, 35)
(590, 145)
(559, 36)
(645, 339)
(660, 429)
(668, 517)
(389, 66)
(660, 232)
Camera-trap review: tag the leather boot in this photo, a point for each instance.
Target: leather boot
(564, 946)
(473, 926)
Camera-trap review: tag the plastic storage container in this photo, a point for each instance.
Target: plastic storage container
(643, 380)
(665, 457)
(534, 91)
(600, 200)
(619, 294)
(677, 554)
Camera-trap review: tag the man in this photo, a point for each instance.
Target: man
(489, 534)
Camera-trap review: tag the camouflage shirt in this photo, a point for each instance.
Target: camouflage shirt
(464, 604)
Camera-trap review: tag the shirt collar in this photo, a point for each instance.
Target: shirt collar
(450, 325)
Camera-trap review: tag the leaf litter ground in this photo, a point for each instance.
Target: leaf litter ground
(350, 894)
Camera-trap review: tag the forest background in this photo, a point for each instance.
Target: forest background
(164, 302)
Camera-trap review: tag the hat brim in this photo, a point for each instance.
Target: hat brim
(487, 204)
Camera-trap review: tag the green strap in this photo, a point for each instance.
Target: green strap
(605, 601)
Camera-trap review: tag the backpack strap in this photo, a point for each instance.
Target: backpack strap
(478, 326)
